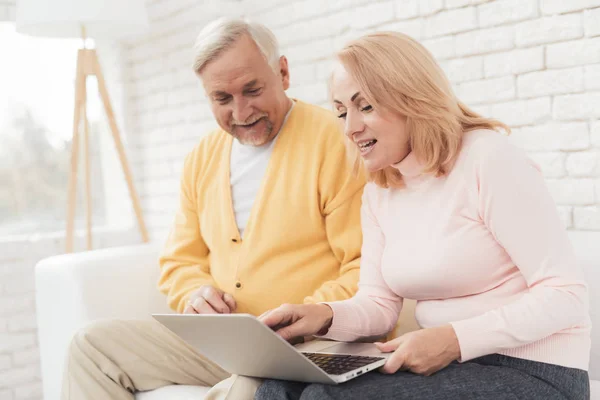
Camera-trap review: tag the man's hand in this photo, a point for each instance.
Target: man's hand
(297, 320)
(423, 352)
(210, 300)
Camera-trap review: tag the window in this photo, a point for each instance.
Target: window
(37, 83)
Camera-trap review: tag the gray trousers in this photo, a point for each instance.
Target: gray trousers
(494, 377)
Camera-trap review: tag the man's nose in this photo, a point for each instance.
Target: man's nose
(241, 110)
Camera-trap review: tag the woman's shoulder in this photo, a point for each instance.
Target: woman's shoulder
(486, 148)
(484, 141)
(486, 144)
(372, 193)
(376, 197)
(371, 190)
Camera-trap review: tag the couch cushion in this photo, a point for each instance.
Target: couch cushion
(174, 392)
(595, 390)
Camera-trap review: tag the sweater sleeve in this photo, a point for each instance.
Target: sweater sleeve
(375, 308)
(339, 195)
(342, 227)
(518, 210)
(184, 260)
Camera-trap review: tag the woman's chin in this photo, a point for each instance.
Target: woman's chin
(373, 166)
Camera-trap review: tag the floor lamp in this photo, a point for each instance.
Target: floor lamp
(98, 19)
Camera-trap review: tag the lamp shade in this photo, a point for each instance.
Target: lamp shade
(103, 19)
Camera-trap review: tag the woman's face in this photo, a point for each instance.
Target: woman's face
(379, 134)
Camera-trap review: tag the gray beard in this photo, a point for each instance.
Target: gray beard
(269, 131)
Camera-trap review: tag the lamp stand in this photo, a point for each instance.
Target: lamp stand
(88, 65)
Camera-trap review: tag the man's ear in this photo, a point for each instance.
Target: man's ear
(284, 71)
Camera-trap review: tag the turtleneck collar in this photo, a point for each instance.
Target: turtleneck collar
(409, 167)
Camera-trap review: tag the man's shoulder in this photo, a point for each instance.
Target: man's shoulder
(209, 145)
(318, 124)
(316, 114)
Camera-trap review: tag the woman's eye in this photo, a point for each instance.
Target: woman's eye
(366, 108)
(342, 115)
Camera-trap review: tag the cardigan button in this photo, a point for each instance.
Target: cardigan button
(234, 240)
(238, 285)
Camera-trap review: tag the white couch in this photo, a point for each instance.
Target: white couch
(75, 289)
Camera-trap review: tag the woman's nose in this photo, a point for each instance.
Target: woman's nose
(353, 125)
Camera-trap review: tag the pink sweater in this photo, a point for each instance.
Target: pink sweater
(481, 248)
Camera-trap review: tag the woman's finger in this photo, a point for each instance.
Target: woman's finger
(294, 330)
(275, 318)
(390, 346)
(394, 363)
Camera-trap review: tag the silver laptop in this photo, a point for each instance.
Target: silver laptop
(243, 345)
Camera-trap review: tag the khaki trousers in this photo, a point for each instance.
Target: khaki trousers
(114, 359)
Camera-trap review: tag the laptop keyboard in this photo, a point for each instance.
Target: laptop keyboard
(337, 364)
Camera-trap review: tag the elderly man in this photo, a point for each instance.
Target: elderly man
(269, 214)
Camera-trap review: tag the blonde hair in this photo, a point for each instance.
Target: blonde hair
(222, 33)
(397, 73)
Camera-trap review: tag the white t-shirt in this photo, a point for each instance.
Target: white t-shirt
(247, 168)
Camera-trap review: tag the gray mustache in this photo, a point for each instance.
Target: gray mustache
(237, 123)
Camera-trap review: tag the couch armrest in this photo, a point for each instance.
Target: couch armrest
(73, 290)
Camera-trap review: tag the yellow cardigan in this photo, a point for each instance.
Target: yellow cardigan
(302, 241)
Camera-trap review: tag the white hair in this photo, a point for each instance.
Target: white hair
(221, 34)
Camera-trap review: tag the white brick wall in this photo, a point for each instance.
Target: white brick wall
(464, 69)
(542, 83)
(502, 12)
(534, 64)
(577, 106)
(487, 91)
(19, 354)
(575, 52)
(566, 137)
(513, 62)
(484, 41)
(590, 21)
(549, 7)
(549, 29)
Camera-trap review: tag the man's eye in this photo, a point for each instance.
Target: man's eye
(366, 108)
(223, 100)
(342, 115)
(253, 91)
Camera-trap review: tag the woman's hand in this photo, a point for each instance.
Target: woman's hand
(423, 352)
(297, 320)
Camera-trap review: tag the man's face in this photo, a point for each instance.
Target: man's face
(247, 96)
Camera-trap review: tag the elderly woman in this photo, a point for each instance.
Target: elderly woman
(457, 218)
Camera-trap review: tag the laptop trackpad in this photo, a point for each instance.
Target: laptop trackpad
(361, 349)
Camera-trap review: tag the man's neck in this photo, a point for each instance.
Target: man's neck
(288, 109)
